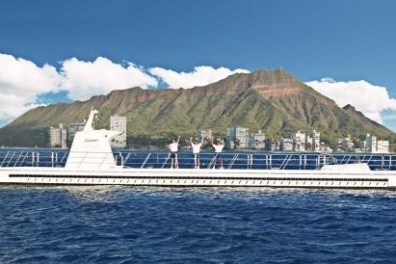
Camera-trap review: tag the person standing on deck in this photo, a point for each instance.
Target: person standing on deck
(218, 145)
(196, 148)
(173, 147)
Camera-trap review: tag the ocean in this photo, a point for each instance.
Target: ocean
(196, 225)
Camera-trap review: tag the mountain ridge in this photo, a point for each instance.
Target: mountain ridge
(273, 101)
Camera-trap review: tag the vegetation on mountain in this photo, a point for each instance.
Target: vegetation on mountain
(273, 101)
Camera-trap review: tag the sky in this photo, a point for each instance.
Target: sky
(62, 51)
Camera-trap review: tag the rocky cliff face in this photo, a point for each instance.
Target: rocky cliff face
(273, 101)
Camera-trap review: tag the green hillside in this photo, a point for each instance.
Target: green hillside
(273, 101)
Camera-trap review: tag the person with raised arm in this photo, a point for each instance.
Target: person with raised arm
(173, 147)
(196, 148)
(218, 145)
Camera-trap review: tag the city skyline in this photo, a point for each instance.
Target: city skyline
(60, 52)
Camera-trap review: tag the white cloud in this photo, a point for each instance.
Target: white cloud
(367, 98)
(202, 75)
(84, 79)
(20, 82)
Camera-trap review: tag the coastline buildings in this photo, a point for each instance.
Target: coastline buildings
(298, 141)
(286, 144)
(346, 144)
(58, 137)
(382, 146)
(72, 129)
(372, 145)
(237, 138)
(118, 123)
(313, 141)
(241, 138)
(257, 140)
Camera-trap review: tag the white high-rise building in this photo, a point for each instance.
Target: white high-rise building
(383, 146)
(58, 137)
(313, 141)
(370, 145)
(286, 144)
(238, 137)
(298, 141)
(257, 140)
(118, 123)
(73, 129)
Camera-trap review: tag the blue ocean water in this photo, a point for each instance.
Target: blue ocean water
(202, 225)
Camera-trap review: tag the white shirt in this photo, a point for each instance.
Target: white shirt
(196, 147)
(218, 148)
(173, 146)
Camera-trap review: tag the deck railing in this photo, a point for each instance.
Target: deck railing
(231, 160)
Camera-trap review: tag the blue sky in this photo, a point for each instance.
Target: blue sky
(348, 41)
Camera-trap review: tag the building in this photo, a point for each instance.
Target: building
(72, 129)
(370, 144)
(383, 146)
(298, 141)
(272, 145)
(257, 140)
(58, 137)
(118, 123)
(346, 144)
(286, 144)
(313, 141)
(237, 138)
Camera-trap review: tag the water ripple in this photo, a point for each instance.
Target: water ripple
(221, 225)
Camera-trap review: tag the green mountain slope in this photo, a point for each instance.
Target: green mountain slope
(273, 101)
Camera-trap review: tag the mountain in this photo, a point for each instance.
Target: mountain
(273, 101)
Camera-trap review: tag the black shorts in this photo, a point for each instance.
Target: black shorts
(173, 155)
